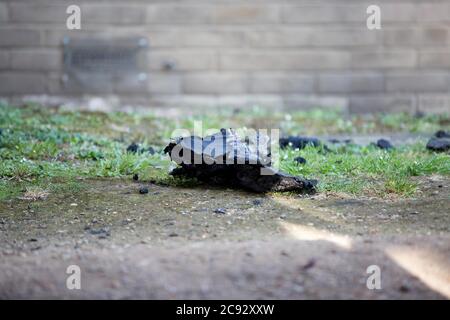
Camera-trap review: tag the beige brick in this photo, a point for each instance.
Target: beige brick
(249, 100)
(306, 36)
(180, 13)
(368, 82)
(96, 84)
(284, 60)
(397, 37)
(417, 82)
(211, 14)
(89, 82)
(434, 37)
(54, 83)
(90, 13)
(293, 37)
(269, 83)
(40, 13)
(323, 13)
(382, 103)
(434, 103)
(19, 38)
(4, 60)
(433, 12)
(434, 59)
(246, 14)
(182, 60)
(305, 102)
(415, 37)
(3, 12)
(164, 83)
(189, 102)
(130, 84)
(36, 59)
(332, 13)
(54, 37)
(113, 14)
(22, 83)
(165, 38)
(215, 83)
(212, 39)
(196, 38)
(398, 12)
(343, 37)
(384, 59)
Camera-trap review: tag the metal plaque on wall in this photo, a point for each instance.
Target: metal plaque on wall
(100, 65)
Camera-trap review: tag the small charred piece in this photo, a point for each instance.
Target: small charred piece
(442, 134)
(438, 144)
(384, 144)
(300, 160)
(299, 142)
(135, 148)
(223, 159)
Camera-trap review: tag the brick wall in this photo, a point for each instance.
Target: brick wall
(296, 53)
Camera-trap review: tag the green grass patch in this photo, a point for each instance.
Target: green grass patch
(367, 170)
(56, 150)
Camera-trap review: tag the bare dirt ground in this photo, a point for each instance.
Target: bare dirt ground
(170, 244)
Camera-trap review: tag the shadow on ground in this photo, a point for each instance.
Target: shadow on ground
(171, 243)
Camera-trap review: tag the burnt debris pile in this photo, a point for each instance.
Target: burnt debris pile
(226, 160)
